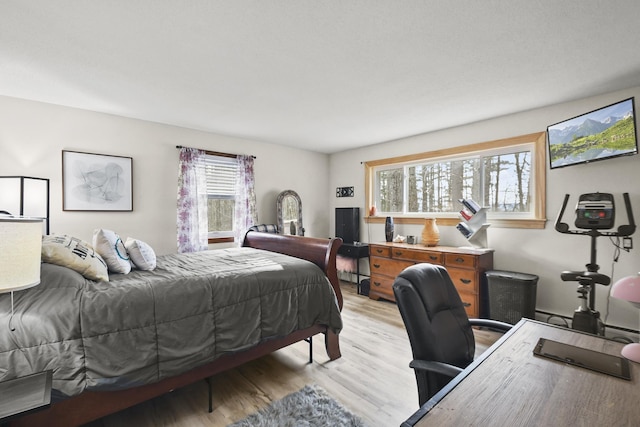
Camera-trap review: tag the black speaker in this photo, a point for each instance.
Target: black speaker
(348, 224)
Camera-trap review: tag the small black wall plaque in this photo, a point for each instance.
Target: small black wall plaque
(344, 191)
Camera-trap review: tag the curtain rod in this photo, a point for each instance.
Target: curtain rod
(215, 153)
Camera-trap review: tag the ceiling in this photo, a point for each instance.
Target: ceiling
(321, 75)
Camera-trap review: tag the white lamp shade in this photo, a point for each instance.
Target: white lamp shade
(628, 289)
(20, 253)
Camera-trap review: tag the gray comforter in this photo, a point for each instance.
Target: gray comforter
(148, 325)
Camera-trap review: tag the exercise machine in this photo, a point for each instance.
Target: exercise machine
(594, 212)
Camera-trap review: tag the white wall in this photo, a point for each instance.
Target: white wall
(33, 135)
(543, 252)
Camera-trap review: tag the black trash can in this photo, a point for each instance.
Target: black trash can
(512, 295)
(363, 288)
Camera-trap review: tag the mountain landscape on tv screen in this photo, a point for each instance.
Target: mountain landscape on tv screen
(595, 137)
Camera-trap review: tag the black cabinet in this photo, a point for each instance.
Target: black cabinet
(356, 251)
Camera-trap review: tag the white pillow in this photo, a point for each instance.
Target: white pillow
(110, 246)
(75, 254)
(142, 255)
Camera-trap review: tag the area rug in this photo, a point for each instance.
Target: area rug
(308, 407)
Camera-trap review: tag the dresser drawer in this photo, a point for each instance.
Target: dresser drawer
(386, 266)
(379, 251)
(464, 280)
(417, 256)
(470, 303)
(382, 285)
(460, 260)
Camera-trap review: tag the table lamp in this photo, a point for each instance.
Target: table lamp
(20, 254)
(628, 289)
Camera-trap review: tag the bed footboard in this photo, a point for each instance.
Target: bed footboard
(322, 252)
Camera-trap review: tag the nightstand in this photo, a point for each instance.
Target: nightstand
(25, 394)
(356, 251)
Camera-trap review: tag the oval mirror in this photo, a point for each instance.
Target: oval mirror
(289, 212)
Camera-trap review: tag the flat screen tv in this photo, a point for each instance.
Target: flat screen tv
(604, 133)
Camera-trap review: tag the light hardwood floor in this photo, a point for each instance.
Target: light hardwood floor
(372, 378)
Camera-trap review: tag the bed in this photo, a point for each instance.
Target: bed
(114, 344)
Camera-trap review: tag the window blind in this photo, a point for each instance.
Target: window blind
(221, 176)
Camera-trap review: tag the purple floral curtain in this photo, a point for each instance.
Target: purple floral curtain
(193, 227)
(245, 207)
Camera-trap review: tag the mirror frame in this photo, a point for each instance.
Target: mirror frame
(279, 203)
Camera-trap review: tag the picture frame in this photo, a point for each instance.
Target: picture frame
(96, 182)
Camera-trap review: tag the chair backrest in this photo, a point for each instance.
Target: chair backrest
(435, 319)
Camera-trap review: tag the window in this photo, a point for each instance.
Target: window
(221, 181)
(506, 176)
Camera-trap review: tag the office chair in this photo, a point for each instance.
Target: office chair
(439, 329)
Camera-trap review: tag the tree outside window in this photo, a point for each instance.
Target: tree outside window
(506, 177)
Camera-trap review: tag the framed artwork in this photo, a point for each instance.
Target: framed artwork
(96, 182)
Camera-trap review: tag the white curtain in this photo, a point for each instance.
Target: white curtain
(192, 222)
(245, 207)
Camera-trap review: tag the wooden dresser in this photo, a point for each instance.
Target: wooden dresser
(466, 266)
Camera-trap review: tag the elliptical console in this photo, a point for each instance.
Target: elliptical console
(595, 211)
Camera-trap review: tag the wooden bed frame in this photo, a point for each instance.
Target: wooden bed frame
(91, 405)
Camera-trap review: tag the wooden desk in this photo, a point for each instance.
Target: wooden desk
(509, 386)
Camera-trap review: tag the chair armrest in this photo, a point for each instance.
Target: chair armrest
(437, 367)
(491, 324)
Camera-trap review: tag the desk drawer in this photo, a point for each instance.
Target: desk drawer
(460, 260)
(354, 251)
(464, 280)
(387, 267)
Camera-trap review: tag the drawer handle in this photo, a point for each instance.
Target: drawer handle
(466, 304)
(465, 281)
(377, 284)
(376, 265)
(433, 257)
(379, 251)
(398, 253)
(459, 259)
